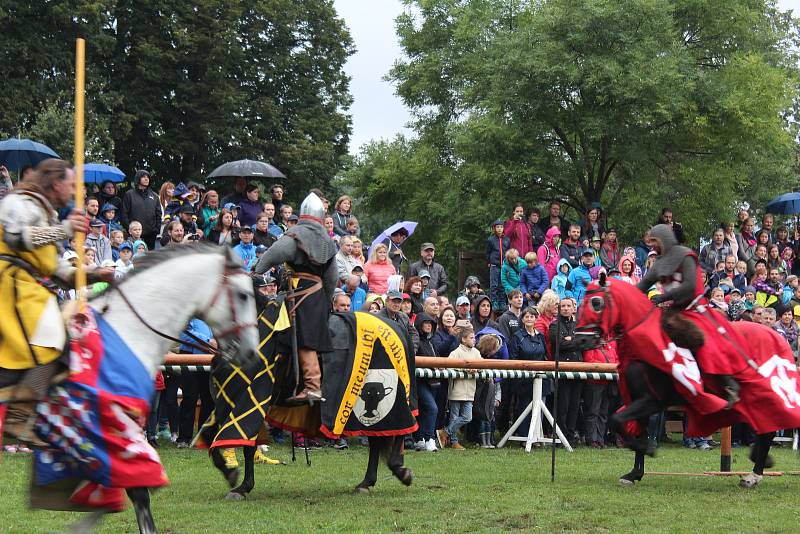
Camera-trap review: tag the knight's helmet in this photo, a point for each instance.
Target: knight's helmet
(312, 206)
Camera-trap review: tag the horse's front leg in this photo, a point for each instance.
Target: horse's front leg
(231, 475)
(371, 476)
(761, 459)
(141, 505)
(394, 460)
(636, 474)
(240, 493)
(87, 524)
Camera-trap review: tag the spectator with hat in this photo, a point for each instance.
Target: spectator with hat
(496, 246)
(141, 204)
(394, 301)
(125, 261)
(581, 277)
(98, 242)
(463, 311)
(292, 220)
(108, 214)
(266, 290)
(186, 217)
(438, 276)
(246, 249)
(250, 206)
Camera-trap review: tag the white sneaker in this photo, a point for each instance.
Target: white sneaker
(430, 445)
(420, 445)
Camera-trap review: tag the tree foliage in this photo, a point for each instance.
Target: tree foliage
(637, 104)
(180, 87)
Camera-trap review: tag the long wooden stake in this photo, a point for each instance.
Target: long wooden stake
(725, 450)
(80, 238)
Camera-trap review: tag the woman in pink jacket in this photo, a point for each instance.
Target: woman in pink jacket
(517, 231)
(549, 253)
(378, 270)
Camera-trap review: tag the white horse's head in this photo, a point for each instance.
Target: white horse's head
(231, 314)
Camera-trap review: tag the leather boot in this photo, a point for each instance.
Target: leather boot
(312, 377)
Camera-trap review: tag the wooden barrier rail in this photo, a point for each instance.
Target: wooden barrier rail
(445, 363)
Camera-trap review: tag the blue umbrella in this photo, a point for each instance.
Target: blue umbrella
(786, 204)
(18, 153)
(410, 226)
(95, 173)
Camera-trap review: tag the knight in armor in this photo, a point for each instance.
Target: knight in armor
(309, 254)
(686, 319)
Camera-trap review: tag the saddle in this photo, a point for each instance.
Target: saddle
(682, 331)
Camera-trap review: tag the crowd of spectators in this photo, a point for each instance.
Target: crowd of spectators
(539, 265)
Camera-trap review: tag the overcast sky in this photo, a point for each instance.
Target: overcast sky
(377, 111)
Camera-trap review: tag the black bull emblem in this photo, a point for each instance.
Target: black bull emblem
(372, 394)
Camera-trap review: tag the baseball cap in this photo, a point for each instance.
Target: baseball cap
(423, 273)
(460, 301)
(587, 252)
(393, 294)
(735, 290)
(126, 245)
(498, 222)
(260, 249)
(293, 218)
(231, 206)
(246, 229)
(357, 268)
(406, 296)
(186, 208)
(70, 255)
(108, 206)
(96, 223)
(426, 246)
(108, 263)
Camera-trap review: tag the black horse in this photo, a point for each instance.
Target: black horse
(271, 394)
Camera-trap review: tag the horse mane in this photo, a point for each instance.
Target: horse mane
(157, 257)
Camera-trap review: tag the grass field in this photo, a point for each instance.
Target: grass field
(454, 491)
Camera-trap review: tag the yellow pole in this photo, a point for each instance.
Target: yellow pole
(80, 238)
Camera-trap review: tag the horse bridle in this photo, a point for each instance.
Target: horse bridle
(601, 304)
(197, 343)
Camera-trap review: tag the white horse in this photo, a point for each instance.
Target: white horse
(150, 308)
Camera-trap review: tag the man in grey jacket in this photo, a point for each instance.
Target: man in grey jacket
(438, 284)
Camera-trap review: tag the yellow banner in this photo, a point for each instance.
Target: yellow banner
(370, 329)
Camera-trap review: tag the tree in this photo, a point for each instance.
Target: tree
(634, 103)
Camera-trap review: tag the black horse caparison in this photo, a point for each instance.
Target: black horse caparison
(390, 446)
(651, 392)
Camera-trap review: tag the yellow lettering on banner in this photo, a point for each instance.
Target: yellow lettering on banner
(365, 341)
(393, 346)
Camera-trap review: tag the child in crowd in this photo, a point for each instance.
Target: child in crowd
(462, 391)
(749, 298)
(117, 237)
(139, 248)
(533, 280)
(134, 233)
(109, 217)
(559, 283)
(717, 300)
(125, 261)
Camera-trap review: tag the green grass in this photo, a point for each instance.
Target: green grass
(454, 491)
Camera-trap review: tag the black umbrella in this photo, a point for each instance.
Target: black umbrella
(247, 168)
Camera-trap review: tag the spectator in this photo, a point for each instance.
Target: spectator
(564, 348)
(250, 207)
(483, 314)
(731, 239)
(774, 260)
(109, 218)
(527, 343)
(581, 277)
(341, 302)
(537, 235)
(627, 269)
(746, 241)
(143, 205)
(286, 213)
(736, 305)
(134, 232)
(108, 195)
(357, 295)
(342, 211)
(413, 288)
(277, 191)
(472, 287)
(787, 327)
(328, 224)
(6, 185)
(165, 194)
(496, 246)
(188, 220)
(728, 278)
(238, 194)
(98, 242)
(782, 238)
(345, 261)
(642, 250)
(767, 223)
(559, 283)
(394, 300)
(273, 228)
(378, 269)
(592, 225)
(463, 308)
(596, 245)
(352, 227)
(357, 250)
(668, 219)
(598, 396)
(209, 210)
(438, 276)
(549, 253)
(175, 234)
(760, 255)
(394, 248)
(246, 249)
(261, 234)
(511, 270)
(789, 260)
(533, 280)
(195, 385)
(508, 323)
(93, 208)
(517, 230)
(116, 239)
(292, 220)
(571, 247)
(124, 264)
(769, 317)
(717, 300)
(609, 252)
(431, 306)
(554, 219)
(427, 388)
(462, 390)
(224, 231)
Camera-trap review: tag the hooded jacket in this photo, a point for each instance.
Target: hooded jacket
(559, 283)
(496, 249)
(426, 346)
(549, 254)
(519, 236)
(477, 324)
(578, 280)
(142, 205)
(509, 274)
(533, 280)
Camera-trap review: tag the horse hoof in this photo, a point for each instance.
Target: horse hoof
(624, 482)
(234, 496)
(750, 480)
(769, 461)
(360, 490)
(406, 476)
